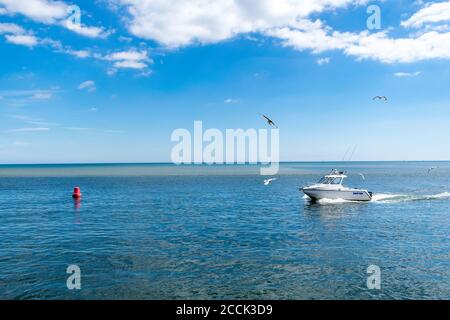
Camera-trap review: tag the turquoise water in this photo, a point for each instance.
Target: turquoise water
(160, 231)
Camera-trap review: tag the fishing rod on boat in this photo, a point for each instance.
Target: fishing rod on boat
(345, 154)
(353, 153)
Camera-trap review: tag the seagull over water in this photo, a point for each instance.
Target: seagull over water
(431, 169)
(269, 181)
(269, 121)
(380, 98)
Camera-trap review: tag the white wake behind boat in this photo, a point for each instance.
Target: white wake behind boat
(330, 187)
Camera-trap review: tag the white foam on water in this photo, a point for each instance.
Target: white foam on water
(391, 198)
(386, 198)
(325, 200)
(440, 195)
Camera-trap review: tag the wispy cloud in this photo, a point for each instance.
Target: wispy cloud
(11, 28)
(51, 13)
(25, 97)
(432, 13)
(78, 53)
(322, 61)
(21, 143)
(407, 74)
(40, 125)
(91, 32)
(125, 39)
(88, 85)
(125, 59)
(34, 121)
(22, 39)
(42, 95)
(37, 129)
(89, 129)
(229, 101)
(58, 47)
(22, 75)
(131, 59)
(15, 34)
(79, 129)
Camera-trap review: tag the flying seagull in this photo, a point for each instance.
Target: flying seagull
(380, 98)
(269, 181)
(269, 121)
(431, 169)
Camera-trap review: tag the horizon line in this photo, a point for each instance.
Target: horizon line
(201, 164)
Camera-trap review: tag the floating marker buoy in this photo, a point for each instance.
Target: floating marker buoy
(76, 193)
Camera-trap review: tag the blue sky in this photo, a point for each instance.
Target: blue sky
(113, 88)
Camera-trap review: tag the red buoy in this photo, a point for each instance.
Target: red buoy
(76, 193)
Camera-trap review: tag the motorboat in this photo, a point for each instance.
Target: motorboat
(330, 187)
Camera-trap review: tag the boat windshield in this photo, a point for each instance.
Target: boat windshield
(330, 180)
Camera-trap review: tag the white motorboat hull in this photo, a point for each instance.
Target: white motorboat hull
(349, 194)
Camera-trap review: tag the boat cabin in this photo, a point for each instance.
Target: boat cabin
(335, 178)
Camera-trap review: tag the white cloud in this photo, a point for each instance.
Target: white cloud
(23, 40)
(314, 36)
(39, 10)
(378, 46)
(89, 85)
(50, 12)
(186, 22)
(131, 59)
(183, 22)
(91, 32)
(78, 53)
(407, 74)
(92, 109)
(15, 34)
(431, 13)
(11, 28)
(317, 37)
(130, 64)
(322, 61)
(127, 55)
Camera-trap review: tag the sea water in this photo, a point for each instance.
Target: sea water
(160, 231)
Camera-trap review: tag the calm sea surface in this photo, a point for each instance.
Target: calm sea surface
(160, 231)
